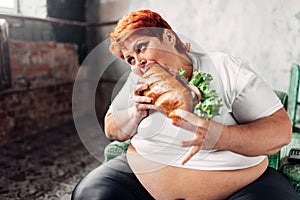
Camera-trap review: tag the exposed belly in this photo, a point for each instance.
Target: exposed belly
(168, 182)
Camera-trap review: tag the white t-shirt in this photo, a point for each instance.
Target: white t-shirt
(245, 97)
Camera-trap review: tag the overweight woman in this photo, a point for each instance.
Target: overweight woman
(187, 156)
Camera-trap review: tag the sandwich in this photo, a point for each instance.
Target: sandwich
(169, 92)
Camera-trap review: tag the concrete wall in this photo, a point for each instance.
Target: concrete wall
(265, 34)
(69, 10)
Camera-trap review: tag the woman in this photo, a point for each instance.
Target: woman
(188, 157)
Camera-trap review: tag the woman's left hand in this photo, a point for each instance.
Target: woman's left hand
(206, 132)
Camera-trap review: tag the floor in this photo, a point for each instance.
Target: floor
(46, 165)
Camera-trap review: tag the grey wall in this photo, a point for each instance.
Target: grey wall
(97, 11)
(265, 34)
(69, 10)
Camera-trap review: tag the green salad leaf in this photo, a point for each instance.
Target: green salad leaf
(210, 103)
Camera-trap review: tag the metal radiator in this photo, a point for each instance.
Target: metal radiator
(5, 70)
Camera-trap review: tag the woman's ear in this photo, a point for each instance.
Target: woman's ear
(169, 37)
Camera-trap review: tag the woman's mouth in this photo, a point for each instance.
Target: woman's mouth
(146, 67)
(149, 65)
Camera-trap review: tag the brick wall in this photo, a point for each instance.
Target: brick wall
(41, 93)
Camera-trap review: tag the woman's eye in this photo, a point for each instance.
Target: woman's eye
(141, 47)
(130, 60)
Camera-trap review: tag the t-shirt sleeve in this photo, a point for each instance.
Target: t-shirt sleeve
(123, 99)
(254, 98)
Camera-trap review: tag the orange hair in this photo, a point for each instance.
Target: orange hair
(142, 22)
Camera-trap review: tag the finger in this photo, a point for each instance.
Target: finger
(190, 120)
(141, 114)
(192, 151)
(185, 125)
(183, 113)
(196, 92)
(141, 81)
(188, 143)
(196, 141)
(140, 89)
(145, 106)
(141, 99)
(188, 116)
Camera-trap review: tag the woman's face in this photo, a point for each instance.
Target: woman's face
(140, 50)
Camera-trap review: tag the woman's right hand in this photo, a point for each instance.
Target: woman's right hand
(122, 124)
(141, 104)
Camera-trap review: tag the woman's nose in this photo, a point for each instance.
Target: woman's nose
(142, 62)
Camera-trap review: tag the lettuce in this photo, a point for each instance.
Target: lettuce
(210, 103)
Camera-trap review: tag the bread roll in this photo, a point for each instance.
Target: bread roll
(167, 92)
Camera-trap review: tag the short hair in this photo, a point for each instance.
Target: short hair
(142, 22)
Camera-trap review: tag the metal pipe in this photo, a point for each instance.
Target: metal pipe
(31, 88)
(60, 21)
(5, 74)
(27, 89)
